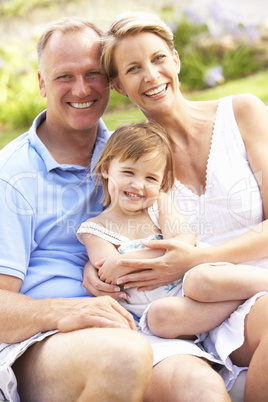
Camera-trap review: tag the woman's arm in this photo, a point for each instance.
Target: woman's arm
(252, 119)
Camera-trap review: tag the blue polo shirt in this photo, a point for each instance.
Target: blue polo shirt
(42, 204)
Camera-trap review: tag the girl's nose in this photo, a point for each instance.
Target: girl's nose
(137, 184)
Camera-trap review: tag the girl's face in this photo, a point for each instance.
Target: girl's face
(132, 185)
(147, 72)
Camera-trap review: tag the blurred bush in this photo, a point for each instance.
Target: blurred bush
(213, 49)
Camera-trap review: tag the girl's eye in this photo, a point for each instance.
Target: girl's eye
(128, 172)
(151, 178)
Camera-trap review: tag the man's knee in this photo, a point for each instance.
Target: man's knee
(108, 363)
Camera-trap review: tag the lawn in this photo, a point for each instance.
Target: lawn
(255, 84)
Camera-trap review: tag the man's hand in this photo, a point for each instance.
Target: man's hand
(101, 312)
(95, 286)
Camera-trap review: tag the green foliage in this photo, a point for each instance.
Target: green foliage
(20, 8)
(206, 60)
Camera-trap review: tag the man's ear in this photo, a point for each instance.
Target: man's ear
(42, 85)
(115, 84)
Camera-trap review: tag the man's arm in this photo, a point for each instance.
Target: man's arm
(22, 317)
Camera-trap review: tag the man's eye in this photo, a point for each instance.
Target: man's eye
(93, 74)
(65, 77)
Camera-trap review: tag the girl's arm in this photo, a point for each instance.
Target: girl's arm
(101, 250)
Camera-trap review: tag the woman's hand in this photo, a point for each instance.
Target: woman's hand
(148, 274)
(95, 286)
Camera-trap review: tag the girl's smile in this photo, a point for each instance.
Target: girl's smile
(135, 185)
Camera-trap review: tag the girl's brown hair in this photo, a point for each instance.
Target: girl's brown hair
(132, 142)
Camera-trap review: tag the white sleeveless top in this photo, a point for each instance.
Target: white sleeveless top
(231, 203)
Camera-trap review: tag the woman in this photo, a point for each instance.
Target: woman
(221, 188)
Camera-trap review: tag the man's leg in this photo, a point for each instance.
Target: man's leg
(185, 378)
(86, 365)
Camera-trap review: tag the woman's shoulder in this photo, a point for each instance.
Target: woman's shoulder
(251, 115)
(245, 103)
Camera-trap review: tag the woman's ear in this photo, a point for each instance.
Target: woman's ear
(176, 58)
(115, 84)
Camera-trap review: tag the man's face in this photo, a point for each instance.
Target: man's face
(72, 80)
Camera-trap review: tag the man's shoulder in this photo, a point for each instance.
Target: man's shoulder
(16, 156)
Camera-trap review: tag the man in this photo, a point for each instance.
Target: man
(86, 348)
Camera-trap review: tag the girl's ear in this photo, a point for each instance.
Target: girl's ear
(115, 84)
(105, 171)
(163, 182)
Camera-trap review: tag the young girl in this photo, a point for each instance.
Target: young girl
(136, 168)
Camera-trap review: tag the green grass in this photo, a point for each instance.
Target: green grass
(255, 84)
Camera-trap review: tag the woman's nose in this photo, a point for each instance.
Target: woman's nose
(151, 74)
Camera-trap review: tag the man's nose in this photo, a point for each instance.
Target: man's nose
(80, 88)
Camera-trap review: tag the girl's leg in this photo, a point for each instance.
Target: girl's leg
(214, 283)
(174, 317)
(254, 351)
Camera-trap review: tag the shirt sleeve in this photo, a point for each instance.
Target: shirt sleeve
(16, 239)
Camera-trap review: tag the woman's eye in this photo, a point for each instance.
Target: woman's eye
(132, 69)
(160, 57)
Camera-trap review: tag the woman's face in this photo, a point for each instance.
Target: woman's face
(147, 72)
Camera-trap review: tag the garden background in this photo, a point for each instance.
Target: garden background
(223, 46)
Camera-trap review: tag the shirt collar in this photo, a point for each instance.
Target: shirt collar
(50, 163)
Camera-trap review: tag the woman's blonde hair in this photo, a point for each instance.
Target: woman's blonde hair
(132, 142)
(131, 23)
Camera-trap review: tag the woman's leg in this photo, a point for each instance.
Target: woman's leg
(254, 351)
